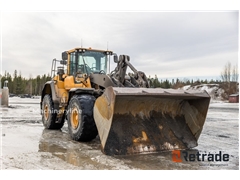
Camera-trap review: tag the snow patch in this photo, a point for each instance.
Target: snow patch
(213, 90)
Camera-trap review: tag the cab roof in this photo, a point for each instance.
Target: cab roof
(88, 49)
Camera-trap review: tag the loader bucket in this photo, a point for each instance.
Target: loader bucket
(144, 120)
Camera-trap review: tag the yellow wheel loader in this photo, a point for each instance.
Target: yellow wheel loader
(128, 115)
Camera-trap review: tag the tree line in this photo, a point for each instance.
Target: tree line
(229, 81)
(19, 85)
(33, 86)
(177, 83)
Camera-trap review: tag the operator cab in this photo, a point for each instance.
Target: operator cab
(86, 61)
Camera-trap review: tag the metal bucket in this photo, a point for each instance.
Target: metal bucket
(143, 120)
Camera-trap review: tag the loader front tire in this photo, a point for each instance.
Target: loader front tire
(49, 115)
(81, 124)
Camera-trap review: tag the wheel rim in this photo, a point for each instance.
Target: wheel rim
(74, 118)
(46, 112)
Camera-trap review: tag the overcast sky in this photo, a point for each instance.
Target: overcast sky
(166, 44)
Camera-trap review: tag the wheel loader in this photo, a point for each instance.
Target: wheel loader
(129, 116)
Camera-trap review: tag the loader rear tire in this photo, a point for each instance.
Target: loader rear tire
(81, 124)
(49, 114)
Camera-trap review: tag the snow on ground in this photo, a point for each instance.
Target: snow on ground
(25, 144)
(16, 99)
(212, 89)
(21, 110)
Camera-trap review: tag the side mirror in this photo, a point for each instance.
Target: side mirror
(64, 55)
(115, 58)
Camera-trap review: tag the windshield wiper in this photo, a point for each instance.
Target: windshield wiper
(85, 65)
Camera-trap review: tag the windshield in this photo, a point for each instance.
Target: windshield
(88, 62)
(94, 61)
